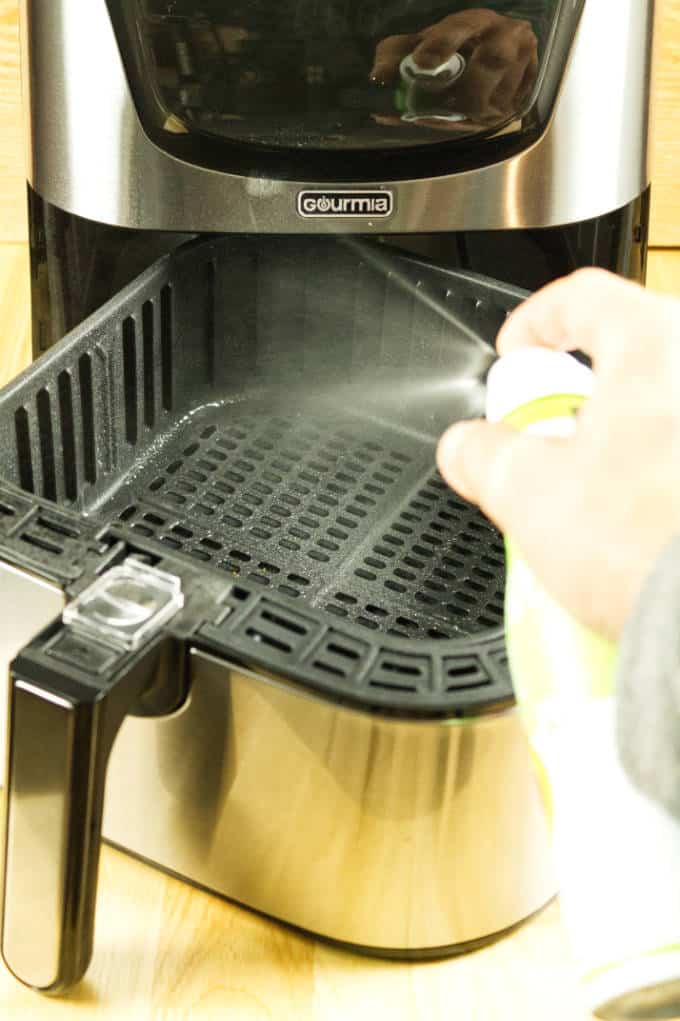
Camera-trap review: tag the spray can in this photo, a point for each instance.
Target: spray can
(617, 853)
(422, 92)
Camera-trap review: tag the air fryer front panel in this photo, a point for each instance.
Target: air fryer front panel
(283, 85)
(103, 104)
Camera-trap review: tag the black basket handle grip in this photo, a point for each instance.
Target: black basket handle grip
(69, 694)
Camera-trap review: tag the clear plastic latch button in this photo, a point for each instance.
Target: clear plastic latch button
(127, 605)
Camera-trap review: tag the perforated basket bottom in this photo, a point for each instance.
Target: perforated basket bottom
(340, 510)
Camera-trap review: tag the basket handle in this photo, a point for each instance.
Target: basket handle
(69, 694)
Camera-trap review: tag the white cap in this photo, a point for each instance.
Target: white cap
(455, 65)
(530, 373)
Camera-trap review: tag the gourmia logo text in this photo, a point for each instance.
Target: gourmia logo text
(345, 203)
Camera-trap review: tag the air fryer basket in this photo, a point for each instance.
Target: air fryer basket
(237, 452)
(243, 403)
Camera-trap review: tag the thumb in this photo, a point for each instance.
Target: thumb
(515, 478)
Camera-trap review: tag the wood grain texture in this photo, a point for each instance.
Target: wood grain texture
(168, 952)
(15, 313)
(165, 951)
(665, 226)
(666, 132)
(663, 271)
(13, 222)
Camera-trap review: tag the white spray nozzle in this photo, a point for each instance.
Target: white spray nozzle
(530, 373)
(450, 70)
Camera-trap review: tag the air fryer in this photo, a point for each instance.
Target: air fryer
(254, 639)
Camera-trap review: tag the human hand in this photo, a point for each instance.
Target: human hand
(501, 55)
(590, 513)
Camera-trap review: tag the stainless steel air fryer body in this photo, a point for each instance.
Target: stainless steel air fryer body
(397, 836)
(310, 752)
(90, 155)
(406, 838)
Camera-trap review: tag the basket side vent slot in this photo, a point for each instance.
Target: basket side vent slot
(24, 453)
(464, 673)
(166, 347)
(340, 655)
(148, 328)
(130, 380)
(46, 436)
(87, 406)
(401, 672)
(210, 322)
(278, 627)
(43, 544)
(68, 441)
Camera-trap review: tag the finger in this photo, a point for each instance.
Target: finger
(486, 69)
(389, 54)
(513, 87)
(498, 50)
(440, 41)
(496, 68)
(587, 311)
(515, 478)
(527, 84)
(506, 98)
(439, 44)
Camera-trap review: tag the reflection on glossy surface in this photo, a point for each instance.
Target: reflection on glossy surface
(376, 831)
(28, 604)
(38, 850)
(473, 69)
(301, 74)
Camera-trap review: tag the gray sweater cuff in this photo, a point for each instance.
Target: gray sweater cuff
(648, 685)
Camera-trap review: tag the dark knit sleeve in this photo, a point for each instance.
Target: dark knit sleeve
(648, 685)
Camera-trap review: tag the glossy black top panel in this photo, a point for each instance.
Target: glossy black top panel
(346, 80)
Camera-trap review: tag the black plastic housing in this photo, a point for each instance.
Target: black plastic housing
(77, 265)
